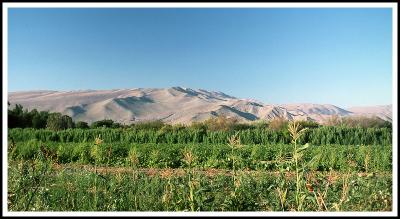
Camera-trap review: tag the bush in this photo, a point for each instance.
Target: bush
(278, 124)
(107, 123)
(309, 124)
(149, 125)
(220, 123)
(365, 122)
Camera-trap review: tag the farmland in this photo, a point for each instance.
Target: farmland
(183, 169)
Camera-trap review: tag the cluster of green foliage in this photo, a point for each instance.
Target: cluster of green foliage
(252, 157)
(180, 134)
(221, 123)
(81, 125)
(57, 121)
(106, 123)
(20, 118)
(151, 125)
(358, 121)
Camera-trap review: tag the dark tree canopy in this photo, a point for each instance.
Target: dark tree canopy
(19, 118)
(106, 123)
(57, 121)
(82, 125)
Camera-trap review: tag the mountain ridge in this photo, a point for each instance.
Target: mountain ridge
(177, 105)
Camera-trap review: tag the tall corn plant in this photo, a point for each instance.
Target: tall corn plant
(133, 159)
(235, 143)
(189, 158)
(295, 133)
(97, 155)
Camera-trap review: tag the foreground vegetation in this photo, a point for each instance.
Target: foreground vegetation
(252, 157)
(315, 136)
(42, 187)
(196, 169)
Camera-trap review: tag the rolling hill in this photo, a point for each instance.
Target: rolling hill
(176, 105)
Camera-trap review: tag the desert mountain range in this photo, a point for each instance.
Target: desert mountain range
(177, 105)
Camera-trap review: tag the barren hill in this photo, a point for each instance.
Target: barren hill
(383, 111)
(174, 105)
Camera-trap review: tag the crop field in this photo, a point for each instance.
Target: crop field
(322, 169)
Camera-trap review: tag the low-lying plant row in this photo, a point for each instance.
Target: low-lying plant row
(35, 187)
(253, 157)
(316, 136)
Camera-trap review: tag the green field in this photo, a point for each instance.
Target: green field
(197, 170)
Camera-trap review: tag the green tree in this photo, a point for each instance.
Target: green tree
(69, 124)
(108, 123)
(56, 122)
(15, 117)
(81, 125)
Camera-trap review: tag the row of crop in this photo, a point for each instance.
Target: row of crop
(317, 136)
(253, 157)
(78, 190)
(59, 191)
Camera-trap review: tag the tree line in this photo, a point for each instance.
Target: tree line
(23, 118)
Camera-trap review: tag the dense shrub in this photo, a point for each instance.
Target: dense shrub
(358, 121)
(317, 136)
(278, 124)
(82, 125)
(57, 121)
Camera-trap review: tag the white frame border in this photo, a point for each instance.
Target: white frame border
(393, 6)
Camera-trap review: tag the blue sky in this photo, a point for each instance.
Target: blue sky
(287, 55)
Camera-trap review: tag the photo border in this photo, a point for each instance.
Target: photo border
(393, 6)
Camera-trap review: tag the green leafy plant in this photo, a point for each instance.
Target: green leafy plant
(296, 132)
(97, 155)
(189, 158)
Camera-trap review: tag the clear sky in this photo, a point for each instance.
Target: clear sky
(293, 55)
